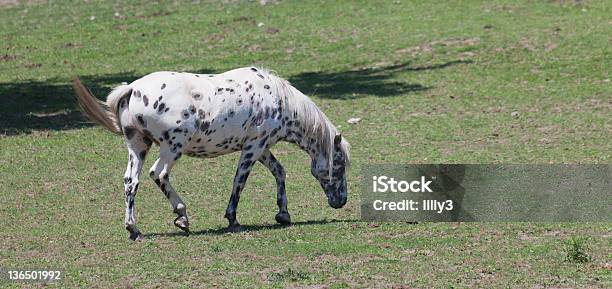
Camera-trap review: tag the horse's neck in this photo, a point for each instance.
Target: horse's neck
(294, 132)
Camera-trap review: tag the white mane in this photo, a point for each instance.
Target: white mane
(313, 119)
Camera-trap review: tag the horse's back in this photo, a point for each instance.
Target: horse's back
(233, 110)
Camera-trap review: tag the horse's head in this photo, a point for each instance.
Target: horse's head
(333, 182)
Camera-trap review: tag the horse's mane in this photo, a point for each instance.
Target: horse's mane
(313, 119)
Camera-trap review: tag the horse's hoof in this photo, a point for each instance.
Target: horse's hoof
(283, 218)
(136, 236)
(182, 223)
(234, 228)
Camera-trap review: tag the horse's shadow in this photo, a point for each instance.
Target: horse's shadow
(245, 228)
(49, 104)
(378, 81)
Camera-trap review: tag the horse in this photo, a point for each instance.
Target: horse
(208, 115)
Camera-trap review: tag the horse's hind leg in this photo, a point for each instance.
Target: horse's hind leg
(138, 145)
(160, 173)
(275, 167)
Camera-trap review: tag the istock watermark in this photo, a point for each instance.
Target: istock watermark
(438, 192)
(384, 184)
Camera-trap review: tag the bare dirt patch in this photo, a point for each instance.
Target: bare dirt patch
(430, 46)
(7, 57)
(4, 3)
(11, 3)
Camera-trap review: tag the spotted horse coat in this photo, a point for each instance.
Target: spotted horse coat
(199, 115)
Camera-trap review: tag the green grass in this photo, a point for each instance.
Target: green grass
(432, 82)
(576, 251)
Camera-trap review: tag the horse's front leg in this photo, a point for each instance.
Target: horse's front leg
(245, 164)
(275, 167)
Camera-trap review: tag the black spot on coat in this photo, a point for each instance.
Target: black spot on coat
(141, 121)
(161, 107)
(204, 126)
(263, 141)
(246, 164)
(129, 132)
(147, 141)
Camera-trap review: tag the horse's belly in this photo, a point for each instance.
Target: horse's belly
(216, 140)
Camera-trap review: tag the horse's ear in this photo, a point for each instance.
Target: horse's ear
(337, 139)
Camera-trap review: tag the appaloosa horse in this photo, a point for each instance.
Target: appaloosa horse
(246, 109)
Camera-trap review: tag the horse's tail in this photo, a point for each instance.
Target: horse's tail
(103, 113)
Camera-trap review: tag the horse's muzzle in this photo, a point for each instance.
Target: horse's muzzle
(337, 203)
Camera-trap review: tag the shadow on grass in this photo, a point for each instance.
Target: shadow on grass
(247, 228)
(377, 81)
(32, 105)
(50, 104)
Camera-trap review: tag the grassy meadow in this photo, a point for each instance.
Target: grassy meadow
(432, 82)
